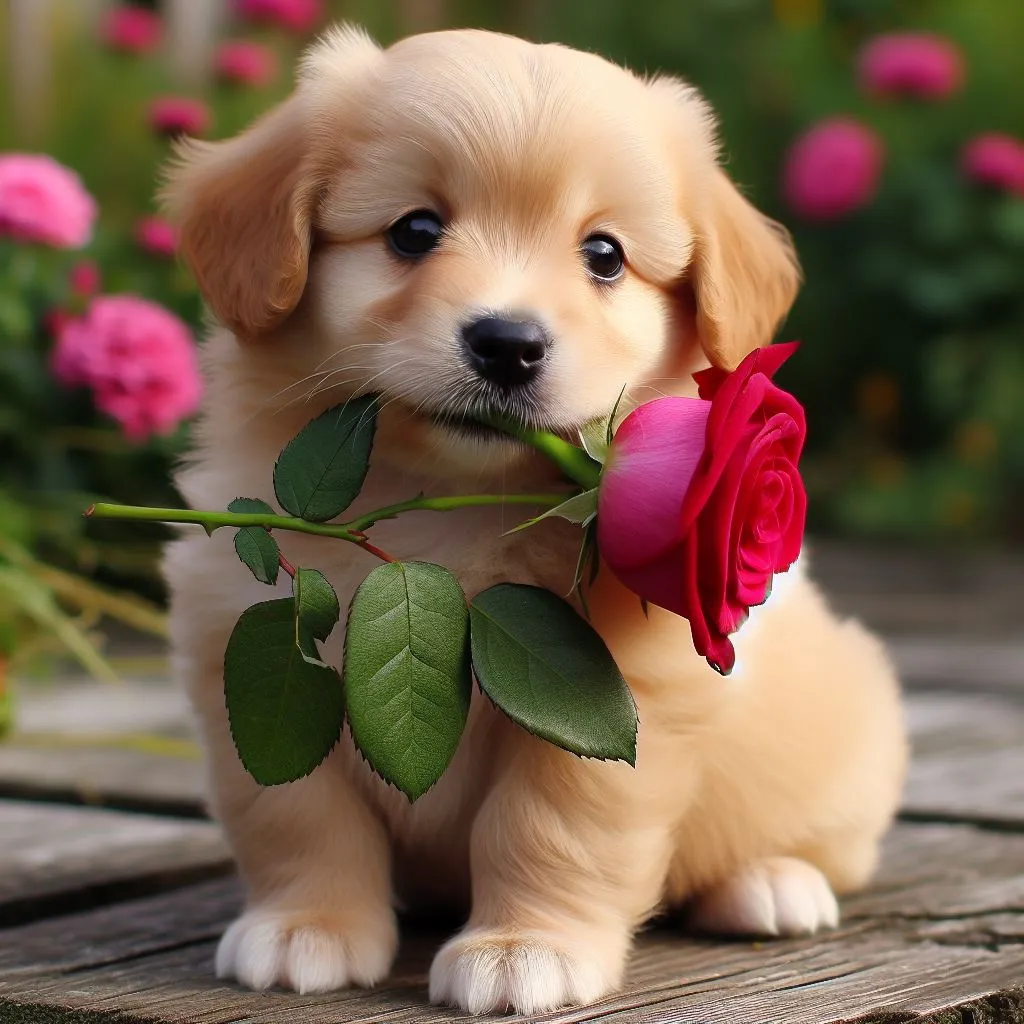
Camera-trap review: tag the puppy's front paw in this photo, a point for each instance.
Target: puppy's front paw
(777, 896)
(486, 970)
(307, 951)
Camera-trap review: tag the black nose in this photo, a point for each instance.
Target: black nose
(509, 353)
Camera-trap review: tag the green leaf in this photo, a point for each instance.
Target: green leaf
(594, 438)
(322, 468)
(258, 550)
(550, 672)
(250, 506)
(407, 677)
(579, 509)
(316, 612)
(285, 714)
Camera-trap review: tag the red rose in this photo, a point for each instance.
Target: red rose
(701, 501)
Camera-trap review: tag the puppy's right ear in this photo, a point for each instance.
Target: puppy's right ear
(244, 207)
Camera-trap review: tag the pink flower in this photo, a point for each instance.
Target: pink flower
(832, 169)
(43, 201)
(911, 64)
(176, 115)
(701, 502)
(132, 29)
(246, 62)
(138, 359)
(294, 15)
(995, 160)
(156, 236)
(84, 279)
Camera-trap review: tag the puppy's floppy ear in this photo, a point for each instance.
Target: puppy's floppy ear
(245, 207)
(743, 274)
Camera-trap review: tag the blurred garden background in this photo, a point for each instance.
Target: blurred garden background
(886, 134)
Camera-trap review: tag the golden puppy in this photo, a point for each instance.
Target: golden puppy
(468, 221)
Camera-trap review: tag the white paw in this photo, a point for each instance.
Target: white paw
(307, 952)
(777, 896)
(482, 971)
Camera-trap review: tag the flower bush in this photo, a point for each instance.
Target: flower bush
(41, 201)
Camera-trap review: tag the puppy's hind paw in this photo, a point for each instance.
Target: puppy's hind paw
(485, 971)
(779, 896)
(307, 952)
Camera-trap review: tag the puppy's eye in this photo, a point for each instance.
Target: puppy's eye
(604, 257)
(415, 234)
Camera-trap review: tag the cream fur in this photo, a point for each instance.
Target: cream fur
(754, 797)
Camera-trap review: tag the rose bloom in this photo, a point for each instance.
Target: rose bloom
(156, 236)
(995, 160)
(911, 64)
(294, 15)
(701, 502)
(246, 62)
(138, 359)
(43, 201)
(177, 115)
(132, 29)
(832, 170)
(84, 279)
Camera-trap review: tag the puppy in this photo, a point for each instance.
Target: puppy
(467, 222)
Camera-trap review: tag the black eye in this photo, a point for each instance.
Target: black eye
(604, 257)
(415, 234)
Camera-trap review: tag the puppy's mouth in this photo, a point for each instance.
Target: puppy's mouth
(484, 422)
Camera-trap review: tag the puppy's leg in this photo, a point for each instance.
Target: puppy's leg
(564, 865)
(775, 896)
(314, 858)
(315, 862)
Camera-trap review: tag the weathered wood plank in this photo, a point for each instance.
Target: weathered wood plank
(968, 758)
(54, 859)
(909, 590)
(941, 928)
(127, 746)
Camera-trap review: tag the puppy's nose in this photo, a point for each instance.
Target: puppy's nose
(509, 353)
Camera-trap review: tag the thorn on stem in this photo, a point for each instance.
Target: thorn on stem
(285, 564)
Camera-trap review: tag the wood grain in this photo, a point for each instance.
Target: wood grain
(53, 859)
(941, 928)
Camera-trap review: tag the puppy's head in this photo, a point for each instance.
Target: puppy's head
(474, 225)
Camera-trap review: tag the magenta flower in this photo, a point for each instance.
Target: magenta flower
(132, 29)
(916, 64)
(138, 359)
(832, 169)
(84, 279)
(701, 502)
(246, 63)
(177, 115)
(43, 201)
(156, 236)
(294, 15)
(995, 160)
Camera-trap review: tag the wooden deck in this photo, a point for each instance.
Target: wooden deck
(113, 889)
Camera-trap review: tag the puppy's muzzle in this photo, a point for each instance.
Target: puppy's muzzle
(505, 352)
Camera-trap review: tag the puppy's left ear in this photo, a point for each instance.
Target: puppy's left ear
(743, 275)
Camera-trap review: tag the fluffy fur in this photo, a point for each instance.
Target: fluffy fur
(754, 798)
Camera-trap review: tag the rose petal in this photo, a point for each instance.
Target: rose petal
(650, 466)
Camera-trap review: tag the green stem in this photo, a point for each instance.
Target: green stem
(574, 462)
(351, 531)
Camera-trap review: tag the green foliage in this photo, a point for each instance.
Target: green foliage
(548, 670)
(316, 612)
(258, 550)
(323, 467)
(407, 677)
(408, 641)
(285, 713)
